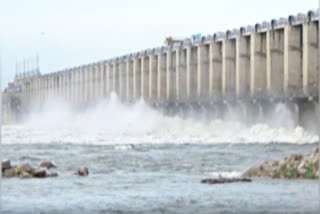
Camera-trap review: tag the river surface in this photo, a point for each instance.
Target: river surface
(144, 162)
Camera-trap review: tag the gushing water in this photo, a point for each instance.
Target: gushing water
(111, 122)
(136, 161)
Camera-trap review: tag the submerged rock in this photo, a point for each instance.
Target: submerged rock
(292, 166)
(83, 171)
(48, 165)
(224, 180)
(51, 174)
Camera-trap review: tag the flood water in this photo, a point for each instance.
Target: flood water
(154, 179)
(151, 164)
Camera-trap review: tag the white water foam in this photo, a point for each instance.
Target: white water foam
(232, 174)
(112, 122)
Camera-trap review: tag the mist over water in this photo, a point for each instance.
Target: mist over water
(112, 122)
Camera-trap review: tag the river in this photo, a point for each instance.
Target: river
(141, 161)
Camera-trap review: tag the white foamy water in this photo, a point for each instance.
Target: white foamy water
(232, 174)
(111, 122)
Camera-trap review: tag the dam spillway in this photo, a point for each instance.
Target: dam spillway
(257, 65)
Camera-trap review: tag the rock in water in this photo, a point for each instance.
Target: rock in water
(25, 168)
(266, 169)
(291, 167)
(9, 173)
(24, 174)
(83, 171)
(224, 180)
(40, 172)
(48, 165)
(6, 164)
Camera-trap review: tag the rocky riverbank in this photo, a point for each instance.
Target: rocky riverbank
(45, 170)
(295, 166)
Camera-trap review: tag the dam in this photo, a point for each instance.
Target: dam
(254, 66)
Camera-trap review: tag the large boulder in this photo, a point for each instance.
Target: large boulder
(27, 171)
(40, 172)
(292, 159)
(6, 164)
(292, 166)
(266, 169)
(83, 171)
(314, 157)
(25, 168)
(12, 172)
(25, 174)
(302, 167)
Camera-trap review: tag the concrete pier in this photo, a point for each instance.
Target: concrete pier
(192, 74)
(276, 52)
(162, 78)
(153, 77)
(260, 78)
(130, 85)
(115, 77)
(145, 66)
(242, 65)
(215, 87)
(203, 71)
(310, 55)
(136, 78)
(229, 66)
(268, 62)
(181, 74)
(171, 76)
(122, 80)
(293, 65)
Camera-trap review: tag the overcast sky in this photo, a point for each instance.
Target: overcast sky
(67, 33)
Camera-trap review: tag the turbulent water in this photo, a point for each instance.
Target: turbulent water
(142, 161)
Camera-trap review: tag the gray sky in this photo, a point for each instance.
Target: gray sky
(67, 33)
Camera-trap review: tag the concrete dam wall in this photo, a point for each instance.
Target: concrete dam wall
(257, 65)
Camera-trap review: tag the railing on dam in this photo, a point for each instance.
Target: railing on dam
(275, 60)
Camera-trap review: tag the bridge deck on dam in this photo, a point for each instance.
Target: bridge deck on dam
(272, 61)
